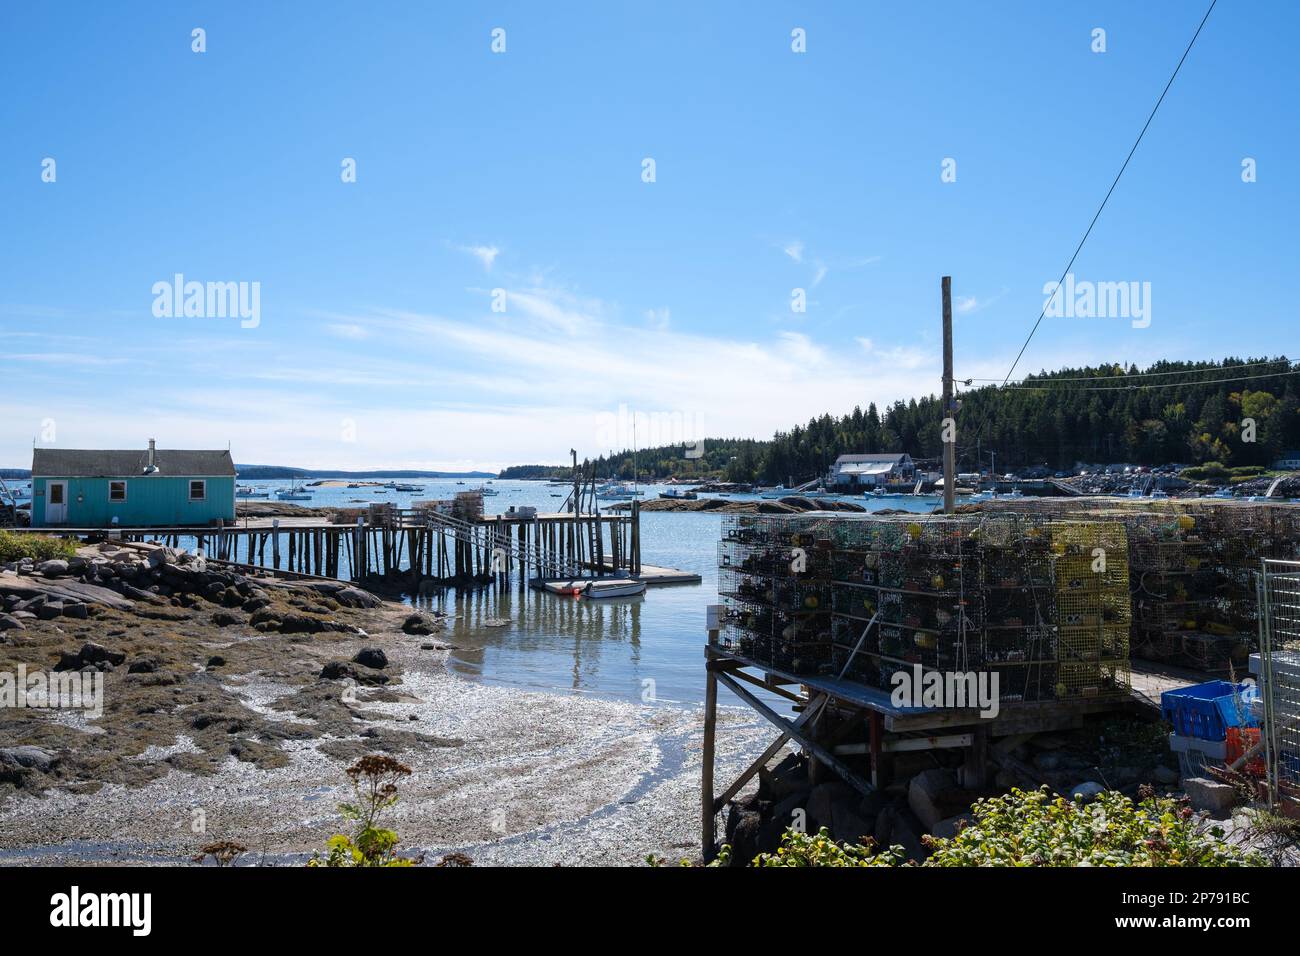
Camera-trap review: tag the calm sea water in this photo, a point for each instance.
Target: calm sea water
(642, 649)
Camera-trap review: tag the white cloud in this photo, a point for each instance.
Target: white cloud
(794, 249)
(659, 319)
(820, 274)
(484, 254)
(347, 330)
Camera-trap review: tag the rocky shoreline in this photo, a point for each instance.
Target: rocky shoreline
(239, 700)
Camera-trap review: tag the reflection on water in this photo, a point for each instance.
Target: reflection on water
(540, 634)
(644, 649)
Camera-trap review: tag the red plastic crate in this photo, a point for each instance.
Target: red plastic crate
(1239, 740)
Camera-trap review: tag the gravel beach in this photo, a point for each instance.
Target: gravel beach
(230, 732)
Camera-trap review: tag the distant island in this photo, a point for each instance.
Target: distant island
(266, 472)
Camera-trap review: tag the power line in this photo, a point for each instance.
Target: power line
(1131, 375)
(1126, 388)
(1079, 247)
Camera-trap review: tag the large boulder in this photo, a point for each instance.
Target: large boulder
(824, 798)
(1087, 791)
(418, 623)
(54, 568)
(371, 657)
(926, 795)
(1210, 795)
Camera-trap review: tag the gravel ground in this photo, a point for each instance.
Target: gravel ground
(502, 775)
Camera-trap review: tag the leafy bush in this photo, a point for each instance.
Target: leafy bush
(16, 545)
(374, 781)
(1039, 828)
(1042, 829)
(1210, 471)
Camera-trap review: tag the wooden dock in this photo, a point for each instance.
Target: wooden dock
(423, 546)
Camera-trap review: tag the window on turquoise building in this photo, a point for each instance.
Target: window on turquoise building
(198, 490)
(117, 491)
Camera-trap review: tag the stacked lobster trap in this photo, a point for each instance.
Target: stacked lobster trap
(1040, 602)
(1192, 564)
(774, 577)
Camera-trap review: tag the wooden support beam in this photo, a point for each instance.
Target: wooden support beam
(798, 733)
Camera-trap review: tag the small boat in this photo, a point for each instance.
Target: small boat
(248, 491)
(293, 494)
(354, 485)
(676, 494)
(622, 587)
(617, 493)
(1159, 493)
(408, 487)
(485, 491)
(981, 496)
(780, 491)
(1224, 492)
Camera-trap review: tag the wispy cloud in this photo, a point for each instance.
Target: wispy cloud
(794, 249)
(347, 330)
(486, 255)
(659, 319)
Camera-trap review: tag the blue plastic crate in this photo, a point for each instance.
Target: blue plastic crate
(1206, 711)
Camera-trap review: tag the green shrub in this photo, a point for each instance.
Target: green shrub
(16, 545)
(1210, 471)
(374, 781)
(1039, 828)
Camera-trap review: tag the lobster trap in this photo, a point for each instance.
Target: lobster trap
(1040, 602)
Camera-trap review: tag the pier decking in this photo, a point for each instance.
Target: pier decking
(423, 546)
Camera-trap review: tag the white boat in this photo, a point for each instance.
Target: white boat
(1223, 493)
(676, 494)
(248, 491)
(621, 587)
(617, 493)
(295, 492)
(485, 491)
(408, 487)
(780, 491)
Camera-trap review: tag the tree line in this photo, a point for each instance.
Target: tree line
(1235, 412)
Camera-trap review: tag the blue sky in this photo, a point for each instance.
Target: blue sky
(377, 345)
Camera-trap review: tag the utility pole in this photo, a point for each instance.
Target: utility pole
(949, 408)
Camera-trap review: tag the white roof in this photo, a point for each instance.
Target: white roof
(867, 468)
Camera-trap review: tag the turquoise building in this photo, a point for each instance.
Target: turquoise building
(81, 488)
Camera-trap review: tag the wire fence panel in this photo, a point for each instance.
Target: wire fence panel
(1278, 587)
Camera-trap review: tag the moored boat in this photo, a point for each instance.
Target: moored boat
(621, 587)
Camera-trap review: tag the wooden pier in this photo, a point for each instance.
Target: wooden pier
(423, 547)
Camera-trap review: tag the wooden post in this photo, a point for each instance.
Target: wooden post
(949, 409)
(708, 835)
(275, 542)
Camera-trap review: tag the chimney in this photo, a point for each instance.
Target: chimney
(151, 465)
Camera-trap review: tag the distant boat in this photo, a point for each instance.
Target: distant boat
(780, 491)
(248, 491)
(484, 490)
(676, 494)
(295, 492)
(616, 493)
(612, 589)
(1224, 492)
(408, 487)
